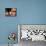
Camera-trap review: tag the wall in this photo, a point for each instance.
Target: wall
(28, 12)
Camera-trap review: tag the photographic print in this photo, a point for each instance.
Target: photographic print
(31, 34)
(10, 11)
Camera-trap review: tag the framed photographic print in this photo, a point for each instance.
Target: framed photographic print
(32, 32)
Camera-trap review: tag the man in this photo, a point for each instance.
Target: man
(12, 12)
